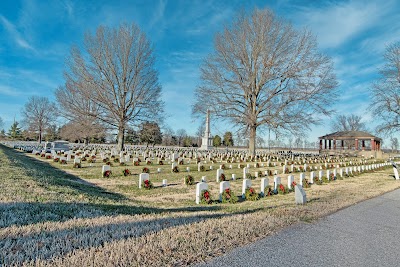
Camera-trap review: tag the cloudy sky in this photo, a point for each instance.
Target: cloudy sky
(36, 37)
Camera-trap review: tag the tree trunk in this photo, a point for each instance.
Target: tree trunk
(40, 136)
(121, 134)
(252, 140)
(86, 141)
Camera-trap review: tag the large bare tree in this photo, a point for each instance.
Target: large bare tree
(265, 73)
(38, 114)
(348, 123)
(116, 71)
(386, 92)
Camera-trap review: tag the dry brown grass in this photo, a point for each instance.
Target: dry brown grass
(175, 233)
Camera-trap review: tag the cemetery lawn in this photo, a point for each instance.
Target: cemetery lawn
(54, 215)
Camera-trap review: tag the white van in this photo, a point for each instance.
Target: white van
(57, 146)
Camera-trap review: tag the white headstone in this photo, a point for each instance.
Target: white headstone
(200, 187)
(264, 183)
(222, 187)
(143, 177)
(277, 182)
(312, 177)
(164, 182)
(302, 177)
(219, 172)
(245, 171)
(290, 181)
(246, 184)
(300, 195)
(396, 172)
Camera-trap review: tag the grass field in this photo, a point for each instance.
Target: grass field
(55, 215)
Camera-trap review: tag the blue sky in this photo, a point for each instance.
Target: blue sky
(36, 37)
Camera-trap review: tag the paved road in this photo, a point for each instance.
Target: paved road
(366, 234)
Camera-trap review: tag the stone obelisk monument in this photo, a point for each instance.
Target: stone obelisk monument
(207, 140)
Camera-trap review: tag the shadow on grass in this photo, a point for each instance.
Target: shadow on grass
(20, 247)
(45, 174)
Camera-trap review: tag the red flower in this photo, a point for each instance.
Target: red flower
(206, 195)
(251, 190)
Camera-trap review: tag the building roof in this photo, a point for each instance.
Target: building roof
(346, 135)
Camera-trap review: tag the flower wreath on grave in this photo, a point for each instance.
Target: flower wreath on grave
(175, 169)
(116, 160)
(56, 159)
(148, 162)
(286, 171)
(145, 170)
(147, 184)
(107, 174)
(122, 164)
(105, 160)
(109, 163)
(249, 176)
(241, 166)
(83, 159)
(306, 184)
(77, 165)
(189, 180)
(318, 181)
(222, 177)
(325, 179)
(257, 165)
(268, 191)
(293, 186)
(160, 162)
(202, 168)
(63, 161)
(282, 189)
(270, 173)
(181, 162)
(126, 172)
(136, 163)
(223, 166)
(228, 196)
(251, 194)
(48, 157)
(205, 197)
(332, 177)
(260, 174)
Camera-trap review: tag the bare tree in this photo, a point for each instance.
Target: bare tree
(168, 137)
(394, 142)
(386, 92)
(181, 134)
(82, 112)
(1, 123)
(117, 73)
(38, 114)
(348, 123)
(82, 131)
(264, 72)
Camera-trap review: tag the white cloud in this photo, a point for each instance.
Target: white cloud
(336, 24)
(8, 91)
(14, 34)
